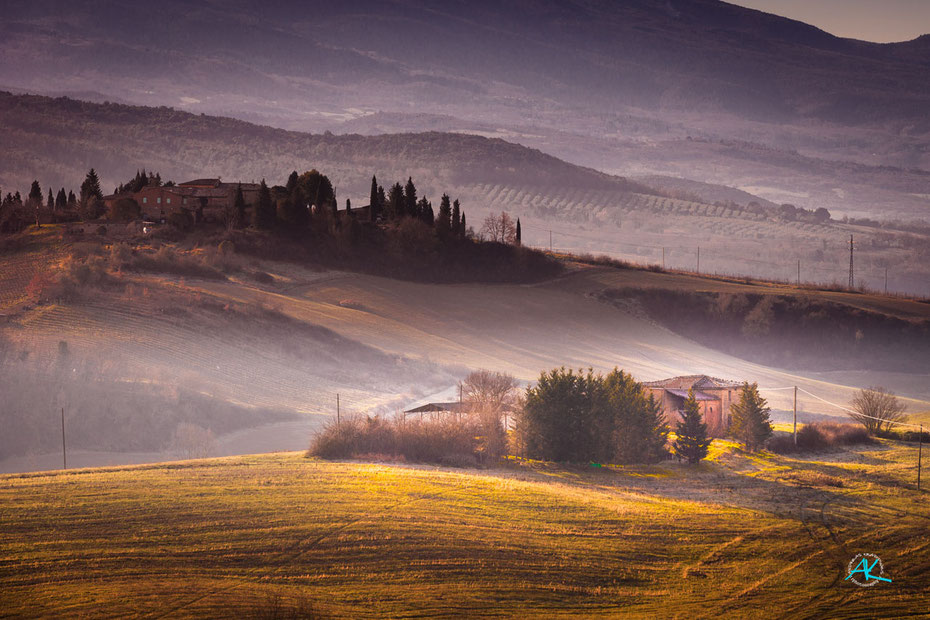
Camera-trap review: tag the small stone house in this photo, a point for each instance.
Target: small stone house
(714, 397)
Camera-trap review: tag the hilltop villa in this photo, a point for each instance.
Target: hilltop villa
(204, 198)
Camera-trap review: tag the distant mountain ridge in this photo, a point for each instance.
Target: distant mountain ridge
(57, 140)
(595, 54)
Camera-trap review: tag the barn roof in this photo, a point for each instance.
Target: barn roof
(698, 382)
(429, 407)
(201, 182)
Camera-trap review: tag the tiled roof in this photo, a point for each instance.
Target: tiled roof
(697, 382)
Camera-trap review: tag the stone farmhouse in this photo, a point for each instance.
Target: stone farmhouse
(205, 199)
(714, 397)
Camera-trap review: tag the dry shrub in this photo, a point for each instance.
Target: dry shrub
(820, 436)
(813, 478)
(168, 260)
(446, 441)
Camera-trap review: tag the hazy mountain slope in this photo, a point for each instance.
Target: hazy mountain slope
(671, 54)
(57, 140)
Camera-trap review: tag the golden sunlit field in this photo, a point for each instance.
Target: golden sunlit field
(740, 536)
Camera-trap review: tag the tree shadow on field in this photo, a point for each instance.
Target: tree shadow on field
(727, 484)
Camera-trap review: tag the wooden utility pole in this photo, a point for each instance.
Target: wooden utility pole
(852, 280)
(920, 447)
(699, 260)
(799, 272)
(886, 280)
(337, 409)
(795, 416)
(663, 258)
(64, 452)
(550, 242)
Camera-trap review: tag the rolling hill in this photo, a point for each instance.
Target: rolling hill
(259, 361)
(286, 536)
(57, 140)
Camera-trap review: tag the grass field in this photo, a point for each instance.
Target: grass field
(742, 536)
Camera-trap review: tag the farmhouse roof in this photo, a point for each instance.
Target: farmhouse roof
(430, 407)
(201, 183)
(697, 382)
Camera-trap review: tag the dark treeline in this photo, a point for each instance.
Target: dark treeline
(38, 207)
(399, 233)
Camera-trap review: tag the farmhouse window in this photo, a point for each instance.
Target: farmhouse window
(159, 200)
(169, 201)
(145, 200)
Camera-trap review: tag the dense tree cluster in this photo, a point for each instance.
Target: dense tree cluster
(140, 181)
(584, 416)
(401, 202)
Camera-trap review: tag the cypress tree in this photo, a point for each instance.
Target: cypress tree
(410, 198)
(72, 200)
(263, 216)
(374, 208)
(519, 234)
(456, 218)
(458, 231)
(749, 418)
(444, 220)
(61, 200)
(239, 208)
(348, 207)
(51, 200)
(692, 442)
(396, 202)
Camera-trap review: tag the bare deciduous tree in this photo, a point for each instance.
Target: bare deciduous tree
(491, 396)
(191, 441)
(485, 390)
(877, 409)
(500, 228)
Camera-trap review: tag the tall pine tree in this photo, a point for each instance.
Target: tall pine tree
(90, 188)
(456, 218)
(61, 200)
(692, 441)
(749, 418)
(519, 233)
(35, 194)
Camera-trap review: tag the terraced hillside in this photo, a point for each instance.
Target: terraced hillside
(740, 536)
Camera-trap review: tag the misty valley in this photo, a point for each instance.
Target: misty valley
(584, 309)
